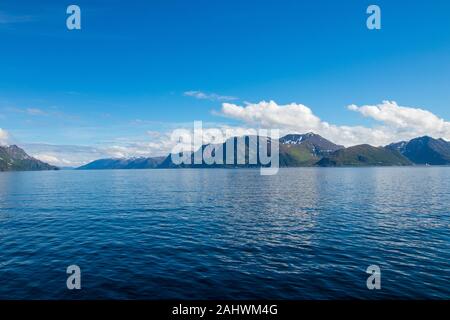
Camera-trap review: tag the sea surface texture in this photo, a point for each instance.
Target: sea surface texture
(307, 233)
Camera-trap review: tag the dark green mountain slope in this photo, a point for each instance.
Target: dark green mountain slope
(364, 155)
(298, 150)
(242, 155)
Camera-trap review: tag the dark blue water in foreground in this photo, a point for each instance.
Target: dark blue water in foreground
(233, 234)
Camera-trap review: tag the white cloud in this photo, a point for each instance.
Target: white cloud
(4, 137)
(35, 112)
(48, 158)
(396, 123)
(62, 155)
(6, 18)
(208, 96)
(393, 123)
(416, 121)
(156, 144)
(269, 114)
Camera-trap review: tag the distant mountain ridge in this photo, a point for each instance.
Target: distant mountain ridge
(13, 158)
(424, 150)
(308, 150)
(133, 163)
(295, 150)
(241, 158)
(316, 142)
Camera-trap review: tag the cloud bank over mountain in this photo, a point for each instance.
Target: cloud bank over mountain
(74, 156)
(391, 123)
(406, 119)
(4, 137)
(394, 122)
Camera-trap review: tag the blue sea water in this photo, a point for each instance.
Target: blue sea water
(306, 233)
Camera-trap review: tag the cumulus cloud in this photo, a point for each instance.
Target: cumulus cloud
(269, 114)
(405, 119)
(208, 96)
(392, 123)
(395, 122)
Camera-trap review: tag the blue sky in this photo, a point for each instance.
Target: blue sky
(134, 66)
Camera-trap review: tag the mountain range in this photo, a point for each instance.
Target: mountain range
(424, 150)
(132, 163)
(300, 150)
(307, 150)
(296, 150)
(13, 158)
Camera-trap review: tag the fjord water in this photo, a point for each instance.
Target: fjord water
(222, 233)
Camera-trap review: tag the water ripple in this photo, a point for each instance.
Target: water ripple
(226, 234)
